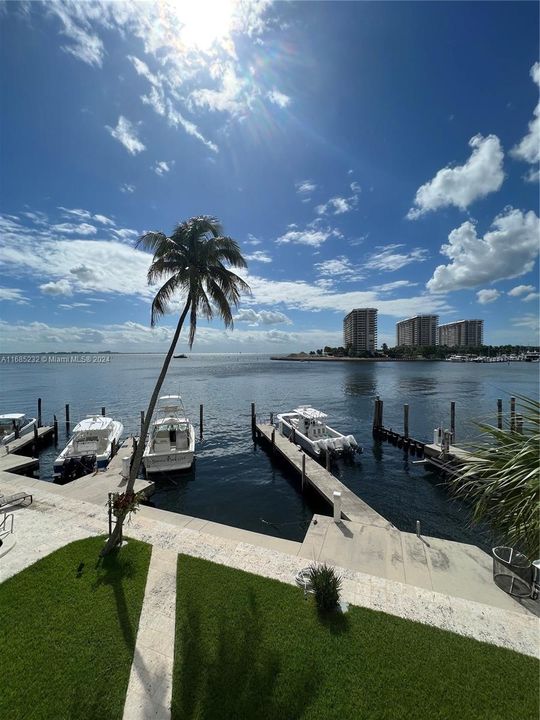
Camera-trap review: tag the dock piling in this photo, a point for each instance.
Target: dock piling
(406, 420)
(201, 419)
(253, 420)
(337, 505)
(39, 412)
(142, 421)
(273, 440)
(512, 414)
(418, 528)
(36, 440)
(68, 424)
(16, 430)
(499, 414)
(55, 429)
(103, 411)
(303, 469)
(453, 422)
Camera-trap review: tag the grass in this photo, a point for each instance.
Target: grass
(68, 626)
(249, 647)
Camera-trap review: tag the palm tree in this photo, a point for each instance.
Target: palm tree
(193, 261)
(501, 478)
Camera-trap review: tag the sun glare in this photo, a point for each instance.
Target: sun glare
(200, 23)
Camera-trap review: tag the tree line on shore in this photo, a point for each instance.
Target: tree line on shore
(428, 352)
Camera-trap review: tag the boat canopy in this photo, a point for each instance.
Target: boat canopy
(310, 413)
(94, 423)
(12, 416)
(171, 421)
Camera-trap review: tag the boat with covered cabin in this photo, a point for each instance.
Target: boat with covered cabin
(307, 427)
(171, 441)
(90, 448)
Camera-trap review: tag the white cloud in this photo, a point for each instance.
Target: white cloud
(13, 295)
(85, 45)
(355, 187)
(252, 240)
(528, 149)
(462, 185)
(162, 167)
(310, 236)
(305, 187)
(60, 287)
(487, 296)
(387, 259)
(81, 214)
(531, 296)
(259, 256)
(391, 286)
(337, 205)
(126, 133)
(521, 290)
(278, 98)
(507, 251)
(73, 229)
(127, 188)
(125, 234)
(261, 317)
(341, 267)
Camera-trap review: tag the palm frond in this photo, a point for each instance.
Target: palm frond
(160, 303)
(501, 478)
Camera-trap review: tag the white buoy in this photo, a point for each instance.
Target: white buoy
(337, 506)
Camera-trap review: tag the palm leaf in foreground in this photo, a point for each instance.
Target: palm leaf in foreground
(501, 479)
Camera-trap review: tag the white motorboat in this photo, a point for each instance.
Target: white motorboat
(13, 425)
(171, 440)
(90, 448)
(307, 427)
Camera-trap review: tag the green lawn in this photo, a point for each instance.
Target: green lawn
(248, 647)
(67, 631)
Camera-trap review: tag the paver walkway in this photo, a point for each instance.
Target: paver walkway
(150, 684)
(54, 520)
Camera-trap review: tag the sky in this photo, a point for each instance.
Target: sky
(362, 155)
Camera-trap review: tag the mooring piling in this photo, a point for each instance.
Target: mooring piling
(253, 421)
(453, 421)
(68, 424)
(201, 419)
(512, 414)
(273, 440)
(103, 411)
(303, 469)
(142, 421)
(36, 439)
(406, 421)
(499, 414)
(55, 429)
(39, 412)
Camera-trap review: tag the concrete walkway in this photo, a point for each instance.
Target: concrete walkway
(150, 684)
(54, 520)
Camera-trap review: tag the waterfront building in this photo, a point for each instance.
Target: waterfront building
(462, 333)
(420, 330)
(360, 330)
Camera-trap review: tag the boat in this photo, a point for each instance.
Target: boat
(180, 356)
(91, 447)
(171, 441)
(457, 358)
(307, 427)
(13, 425)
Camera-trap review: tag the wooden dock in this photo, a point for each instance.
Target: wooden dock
(15, 461)
(352, 507)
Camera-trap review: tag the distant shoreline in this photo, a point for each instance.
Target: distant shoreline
(318, 358)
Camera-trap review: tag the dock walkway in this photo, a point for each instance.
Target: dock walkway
(352, 507)
(12, 461)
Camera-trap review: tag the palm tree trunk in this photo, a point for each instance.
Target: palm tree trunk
(116, 535)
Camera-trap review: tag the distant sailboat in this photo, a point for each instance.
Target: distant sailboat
(180, 356)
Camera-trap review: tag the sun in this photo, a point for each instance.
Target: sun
(199, 24)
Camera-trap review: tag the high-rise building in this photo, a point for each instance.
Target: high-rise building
(360, 330)
(462, 333)
(418, 330)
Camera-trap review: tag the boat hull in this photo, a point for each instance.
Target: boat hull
(168, 462)
(29, 427)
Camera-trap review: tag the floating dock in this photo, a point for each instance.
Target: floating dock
(352, 507)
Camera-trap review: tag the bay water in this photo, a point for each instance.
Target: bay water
(237, 483)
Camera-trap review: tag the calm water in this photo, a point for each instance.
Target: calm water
(237, 484)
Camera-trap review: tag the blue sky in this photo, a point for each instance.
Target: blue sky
(363, 155)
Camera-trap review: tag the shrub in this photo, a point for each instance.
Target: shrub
(326, 586)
